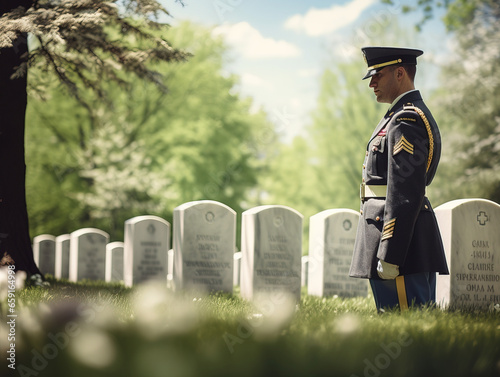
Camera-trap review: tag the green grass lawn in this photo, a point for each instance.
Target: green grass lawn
(98, 329)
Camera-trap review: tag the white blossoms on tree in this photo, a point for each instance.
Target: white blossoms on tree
(470, 107)
(119, 174)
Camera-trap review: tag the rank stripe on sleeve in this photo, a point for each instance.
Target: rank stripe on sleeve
(403, 145)
(388, 229)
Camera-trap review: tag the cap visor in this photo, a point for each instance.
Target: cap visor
(370, 73)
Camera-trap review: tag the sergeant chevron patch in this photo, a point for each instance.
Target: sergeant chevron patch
(388, 229)
(403, 145)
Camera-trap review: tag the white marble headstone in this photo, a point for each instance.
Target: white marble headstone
(147, 241)
(114, 261)
(237, 268)
(44, 253)
(204, 244)
(331, 242)
(271, 243)
(304, 270)
(170, 269)
(62, 256)
(87, 255)
(470, 229)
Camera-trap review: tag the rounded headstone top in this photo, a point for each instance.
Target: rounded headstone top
(459, 202)
(202, 203)
(261, 209)
(63, 237)
(79, 232)
(44, 237)
(114, 245)
(138, 219)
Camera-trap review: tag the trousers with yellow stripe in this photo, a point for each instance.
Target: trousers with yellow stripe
(413, 290)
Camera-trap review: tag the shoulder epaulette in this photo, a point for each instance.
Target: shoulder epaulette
(410, 106)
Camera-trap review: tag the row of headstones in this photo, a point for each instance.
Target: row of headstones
(203, 255)
(204, 249)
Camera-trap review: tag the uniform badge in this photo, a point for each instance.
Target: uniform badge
(402, 145)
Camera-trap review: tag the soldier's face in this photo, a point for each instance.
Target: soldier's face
(385, 85)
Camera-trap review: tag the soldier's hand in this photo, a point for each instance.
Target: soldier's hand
(387, 271)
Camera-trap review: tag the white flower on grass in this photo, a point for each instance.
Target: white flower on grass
(275, 311)
(347, 324)
(93, 348)
(158, 312)
(20, 279)
(30, 325)
(3, 283)
(494, 308)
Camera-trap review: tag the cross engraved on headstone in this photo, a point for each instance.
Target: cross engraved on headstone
(482, 218)
(471, 252)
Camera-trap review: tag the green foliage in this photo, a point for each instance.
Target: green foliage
(74, 42)
(458, 12)
(468, 107)
(213, 140)
(104, 330)
(143, 151)
(461, 12)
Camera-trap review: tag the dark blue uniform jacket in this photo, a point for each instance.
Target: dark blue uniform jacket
(400, 228)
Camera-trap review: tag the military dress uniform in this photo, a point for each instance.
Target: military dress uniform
(397, 223)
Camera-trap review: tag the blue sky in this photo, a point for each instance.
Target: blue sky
(279, 48)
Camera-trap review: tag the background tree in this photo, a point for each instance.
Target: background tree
(144, 151)
(469, 104)
(458, 12)
(73, 43)
(14, 237)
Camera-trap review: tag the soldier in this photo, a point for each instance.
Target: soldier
(398, 245)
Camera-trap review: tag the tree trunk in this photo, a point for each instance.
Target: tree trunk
(14, 227)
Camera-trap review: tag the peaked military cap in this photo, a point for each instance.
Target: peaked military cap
(380, 57)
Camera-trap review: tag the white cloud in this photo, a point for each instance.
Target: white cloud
(308, 72)
(252, 44)
(248, 79)
(318, 22)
